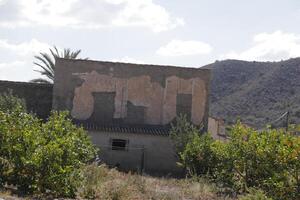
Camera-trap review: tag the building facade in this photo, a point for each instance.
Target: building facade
(128, 108)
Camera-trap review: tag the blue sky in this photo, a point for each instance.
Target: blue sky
(188, 33)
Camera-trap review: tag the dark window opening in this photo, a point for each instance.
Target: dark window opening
(119, 144)
(184, 105)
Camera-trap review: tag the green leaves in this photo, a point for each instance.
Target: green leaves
(265, 160)
(182, 132)
(197, 155)
(10, 103)
(40, 157)
(268, 160)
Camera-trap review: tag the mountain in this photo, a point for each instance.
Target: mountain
(255, 92)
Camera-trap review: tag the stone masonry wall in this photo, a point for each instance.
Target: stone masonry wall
(122, 93)
(38, 97)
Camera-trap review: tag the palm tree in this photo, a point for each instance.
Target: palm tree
(47, 63)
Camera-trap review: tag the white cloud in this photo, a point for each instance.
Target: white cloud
(184, 48)
(24, 49)
(13, 64)
(12, 70)
(21, 70)
(146, 13)
(269, 47)
(21, 66)
(87, 14)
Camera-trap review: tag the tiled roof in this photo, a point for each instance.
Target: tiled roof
(146, 129)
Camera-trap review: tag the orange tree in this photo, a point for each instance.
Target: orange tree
(267, 160)
(39, 157)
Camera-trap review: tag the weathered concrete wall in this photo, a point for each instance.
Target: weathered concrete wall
(216, 127)
(106, 92)
(38, 97)
(155, 153)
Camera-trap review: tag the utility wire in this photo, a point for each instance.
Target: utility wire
(279, 118)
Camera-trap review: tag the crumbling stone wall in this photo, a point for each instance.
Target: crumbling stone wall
(38, 97)
(122, 93)
(217, 128)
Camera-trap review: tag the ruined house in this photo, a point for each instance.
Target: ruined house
(127, 108)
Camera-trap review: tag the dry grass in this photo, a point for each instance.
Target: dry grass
(103, 183)
(100, 182)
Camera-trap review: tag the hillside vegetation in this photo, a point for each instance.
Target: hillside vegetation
(256, 92)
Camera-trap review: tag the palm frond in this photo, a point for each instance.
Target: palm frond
(49, 59)
(54, 54)
(44, 68)
(47, 62)
(48, 74)
(75, 54)
(66, 53)
(57, 52)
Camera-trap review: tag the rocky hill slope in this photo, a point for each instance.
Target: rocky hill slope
(256, 92)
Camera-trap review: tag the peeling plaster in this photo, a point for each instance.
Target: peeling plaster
(160, 102)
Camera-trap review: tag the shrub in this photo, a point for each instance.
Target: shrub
(42, 157)
(19, 137)
(9, 102)
(197, 155)
(64, 149)
(182, 132)
(267, 159)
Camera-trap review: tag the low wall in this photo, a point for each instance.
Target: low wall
(38, 97)
(152, 153)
